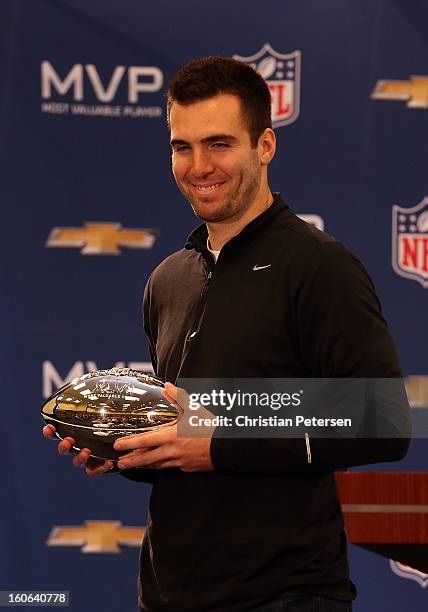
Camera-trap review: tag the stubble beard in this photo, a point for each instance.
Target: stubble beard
(234, 205)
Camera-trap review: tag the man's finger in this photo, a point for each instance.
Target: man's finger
(144, 440)
(146, 458)
(171, 390)
(82, 457)
(66, 446)
(162, 465)
(49, 432)
(176, 396)
(97, 467)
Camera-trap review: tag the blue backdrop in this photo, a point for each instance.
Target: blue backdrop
(84, 139)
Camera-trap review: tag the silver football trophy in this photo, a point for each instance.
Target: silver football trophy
(99, 407)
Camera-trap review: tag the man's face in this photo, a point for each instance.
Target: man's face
(214, 165)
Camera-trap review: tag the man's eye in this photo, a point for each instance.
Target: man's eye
(220, 145)
(180, 148)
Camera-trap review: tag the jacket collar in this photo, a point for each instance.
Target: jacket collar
(198, 238)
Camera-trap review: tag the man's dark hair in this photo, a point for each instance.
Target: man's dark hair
(204, 78)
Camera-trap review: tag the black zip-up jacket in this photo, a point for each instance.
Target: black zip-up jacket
(265, 521)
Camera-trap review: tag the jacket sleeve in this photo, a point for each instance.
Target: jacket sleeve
(341, 334)
(141, 474)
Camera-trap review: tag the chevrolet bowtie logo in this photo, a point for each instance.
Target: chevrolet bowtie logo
(414, 92)
(101, 238)
(96, 536)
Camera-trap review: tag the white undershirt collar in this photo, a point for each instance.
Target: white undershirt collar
(215, 254)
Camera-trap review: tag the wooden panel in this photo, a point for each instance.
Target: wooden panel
(383, 487)
(387, 512)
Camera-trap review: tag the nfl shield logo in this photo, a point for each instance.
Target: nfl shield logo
(409, 572)
(281, 72)
(410, 242)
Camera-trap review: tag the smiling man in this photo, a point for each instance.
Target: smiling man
(220, 168)
(247, 524)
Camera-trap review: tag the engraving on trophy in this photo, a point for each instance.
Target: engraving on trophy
(115, 390)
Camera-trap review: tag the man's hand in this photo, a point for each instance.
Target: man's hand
(93, 466)
(164, 448)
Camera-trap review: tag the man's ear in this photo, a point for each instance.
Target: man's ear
(267, 146)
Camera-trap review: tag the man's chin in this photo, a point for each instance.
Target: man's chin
(210, 217)
(211, 212)
(214, 216)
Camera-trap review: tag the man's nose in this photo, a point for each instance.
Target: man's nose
(202, 163)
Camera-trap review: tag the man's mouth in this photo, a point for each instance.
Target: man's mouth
(207, 188)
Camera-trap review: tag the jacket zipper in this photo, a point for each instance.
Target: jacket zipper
(201, 306)
(198, 319)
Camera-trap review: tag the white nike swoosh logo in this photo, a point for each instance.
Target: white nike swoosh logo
(256, 267)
